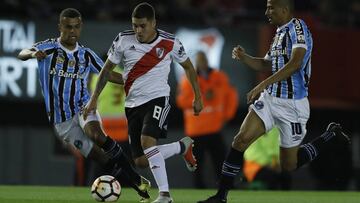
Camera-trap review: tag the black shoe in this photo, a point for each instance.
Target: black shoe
(336, 128)
(213, 199)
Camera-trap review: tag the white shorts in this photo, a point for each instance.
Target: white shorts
(289, 115)
(72, 132)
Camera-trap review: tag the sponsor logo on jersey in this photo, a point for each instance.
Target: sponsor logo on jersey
(280, 52)
(299, 32)
(62, 73)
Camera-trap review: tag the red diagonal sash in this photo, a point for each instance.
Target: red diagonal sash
(148, 61)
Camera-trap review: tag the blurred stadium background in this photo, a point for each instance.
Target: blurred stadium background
(30, 153)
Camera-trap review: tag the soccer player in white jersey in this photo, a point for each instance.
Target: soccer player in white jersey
(283, 99)
(64, 66)
(146, 54)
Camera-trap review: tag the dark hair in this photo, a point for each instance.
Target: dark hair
(144, 10)
(70, 13)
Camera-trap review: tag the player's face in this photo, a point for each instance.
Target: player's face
(144, 29)
(70, 29)
(276, 14)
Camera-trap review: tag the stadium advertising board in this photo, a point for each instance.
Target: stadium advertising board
(18, 79)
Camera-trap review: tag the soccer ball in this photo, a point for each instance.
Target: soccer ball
(106, 189)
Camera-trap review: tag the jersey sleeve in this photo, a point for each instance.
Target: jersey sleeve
(115, 51)
(178, 53)
(297, 35)
(44, 45)
(95, 62)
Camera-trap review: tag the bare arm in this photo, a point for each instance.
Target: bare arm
(26, 54)
(102, 80)
(292, 66)
(192, 77)
(256, 63)
(115, 77)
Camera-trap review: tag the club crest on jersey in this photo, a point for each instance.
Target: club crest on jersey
(72, 63)
(60, 60)
(160, 52)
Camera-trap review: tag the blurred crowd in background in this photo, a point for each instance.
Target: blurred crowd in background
(211, 12)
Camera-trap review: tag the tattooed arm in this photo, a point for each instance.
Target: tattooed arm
(102, 80)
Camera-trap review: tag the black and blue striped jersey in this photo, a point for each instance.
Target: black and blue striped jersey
(63, 76)
(289, 36)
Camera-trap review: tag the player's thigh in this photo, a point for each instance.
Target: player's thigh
(75, 136)
(258, 121)
(251, 129)
(288, 158)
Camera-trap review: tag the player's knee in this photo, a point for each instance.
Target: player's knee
(147, 141)
(98, 137)
(141, 162)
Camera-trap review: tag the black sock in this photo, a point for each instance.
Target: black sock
(231, 167)
(109, 146)
(119, 159)
(125, 164)
(308, 152)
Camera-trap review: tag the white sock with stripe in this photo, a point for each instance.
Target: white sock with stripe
(157, 166)
(169, 150)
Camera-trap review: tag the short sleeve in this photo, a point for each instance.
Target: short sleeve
(44, 45)
(178, 53)
(297, 34)
(96, 62)
(115, 51)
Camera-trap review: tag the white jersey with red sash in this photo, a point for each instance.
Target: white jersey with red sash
(146, 65)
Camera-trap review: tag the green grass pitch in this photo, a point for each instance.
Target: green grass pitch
(43, 194)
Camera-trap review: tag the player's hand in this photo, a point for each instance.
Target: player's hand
(238, 52)
(197, 106)
(255, 93)
(39, 55)
(89, 107)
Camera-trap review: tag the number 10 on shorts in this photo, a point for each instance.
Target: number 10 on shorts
(296, 128)
(157, 112)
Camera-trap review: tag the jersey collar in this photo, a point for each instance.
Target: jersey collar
(66, 49)
(286, 24)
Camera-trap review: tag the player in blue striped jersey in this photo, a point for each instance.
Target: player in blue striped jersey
(64, 66)
(283, 99)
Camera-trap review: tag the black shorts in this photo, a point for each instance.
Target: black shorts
(149, 119)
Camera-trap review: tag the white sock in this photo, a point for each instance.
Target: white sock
(169, 150)
(157, 166)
